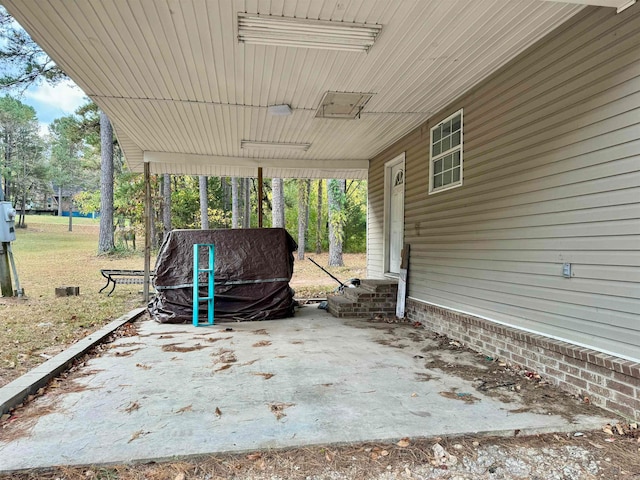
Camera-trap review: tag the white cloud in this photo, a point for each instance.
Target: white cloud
(66, 96)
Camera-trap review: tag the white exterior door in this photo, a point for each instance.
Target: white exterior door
(396, 217)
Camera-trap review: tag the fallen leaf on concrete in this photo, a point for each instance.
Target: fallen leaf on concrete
(188, 408)
(266, 376)
(262, 343)
(132, 406)
(218, 412)
(228, 357)
(262, 331)
(143, 366)
(465, 397)
(126, 353)
(212, 340)
(278, 409)
(405, 442)
(223, 367)
(175, 347)
(414, 394)
(137, 435)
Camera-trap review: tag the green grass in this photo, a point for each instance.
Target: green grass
(40, 324)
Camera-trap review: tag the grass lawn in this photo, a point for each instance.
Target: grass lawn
(40, 325)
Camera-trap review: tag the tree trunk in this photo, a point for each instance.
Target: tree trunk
(226, 204)
(319, 224)
(335, 194)
(60, 200)
(23, 211)
(277, 204)
(153, 227)
(234, 202)
(303, 215)
(204, 203)
(246, 219)
(105, 241)
(70, 214)
(166, 203)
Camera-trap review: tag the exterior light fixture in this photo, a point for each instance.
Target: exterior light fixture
(279, 110)
(305, 33)
(248, 144)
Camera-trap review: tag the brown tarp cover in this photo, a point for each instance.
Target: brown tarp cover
(253, 268)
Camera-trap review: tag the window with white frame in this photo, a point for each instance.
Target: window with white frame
(446, 154)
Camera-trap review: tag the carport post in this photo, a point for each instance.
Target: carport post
(147, 230)
(259, 197)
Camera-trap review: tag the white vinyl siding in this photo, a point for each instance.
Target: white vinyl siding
(551, 175)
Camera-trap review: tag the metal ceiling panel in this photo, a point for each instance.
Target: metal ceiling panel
(173, 77)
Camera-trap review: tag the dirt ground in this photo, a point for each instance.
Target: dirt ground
(588, 456)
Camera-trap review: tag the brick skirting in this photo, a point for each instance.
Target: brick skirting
(610, 382)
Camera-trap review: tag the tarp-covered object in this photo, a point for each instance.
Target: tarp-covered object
(253, 268)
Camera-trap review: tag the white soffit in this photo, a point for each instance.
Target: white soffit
(619, 5)
(172, 76)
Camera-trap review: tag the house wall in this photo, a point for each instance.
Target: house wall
(551, 175)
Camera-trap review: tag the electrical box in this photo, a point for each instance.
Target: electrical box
(566, 270)
(7, 222)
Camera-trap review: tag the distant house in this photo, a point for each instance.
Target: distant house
(501, 140)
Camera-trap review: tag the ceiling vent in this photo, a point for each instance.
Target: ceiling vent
(342, 105)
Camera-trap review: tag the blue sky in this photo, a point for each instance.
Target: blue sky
(51, 102)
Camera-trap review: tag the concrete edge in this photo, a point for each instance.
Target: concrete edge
(15, 392)
(588, 426)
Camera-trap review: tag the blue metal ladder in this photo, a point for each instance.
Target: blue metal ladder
(210, 290)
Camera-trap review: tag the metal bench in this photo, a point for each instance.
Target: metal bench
(122, 277)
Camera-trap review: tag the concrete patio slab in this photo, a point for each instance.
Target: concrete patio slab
(177, 390)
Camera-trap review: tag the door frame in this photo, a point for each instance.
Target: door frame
(399, 159)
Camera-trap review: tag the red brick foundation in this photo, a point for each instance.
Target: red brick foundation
(610, 382)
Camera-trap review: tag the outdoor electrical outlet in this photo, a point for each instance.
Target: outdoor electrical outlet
(566, 270)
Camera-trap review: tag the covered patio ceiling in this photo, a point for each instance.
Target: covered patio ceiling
(183, 92)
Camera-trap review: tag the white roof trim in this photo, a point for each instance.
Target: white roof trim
(212, 165)
(619, 5)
